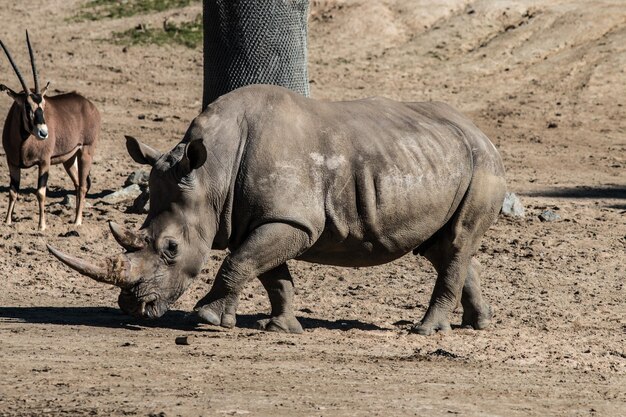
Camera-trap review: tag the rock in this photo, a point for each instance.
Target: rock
(138, 177)
(142, 201)
(549, 216)
(445, 354)
(184, 340)
(127, 193)
(71, 233)
(512, 206)
(70, 201)
(141, 205)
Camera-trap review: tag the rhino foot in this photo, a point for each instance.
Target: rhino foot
(428, 328)
(478, 319)
(282, 324)
(208, 315)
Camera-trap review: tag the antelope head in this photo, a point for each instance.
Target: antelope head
(31, 102)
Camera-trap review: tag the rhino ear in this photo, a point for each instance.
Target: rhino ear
(141, 153)
(196, 154)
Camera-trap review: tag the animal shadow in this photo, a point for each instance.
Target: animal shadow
(54, 192)
(603, 192)
(248, 321)
(109, 317)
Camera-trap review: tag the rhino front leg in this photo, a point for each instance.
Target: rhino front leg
(266, 248)
(279, 286)
(219, 306)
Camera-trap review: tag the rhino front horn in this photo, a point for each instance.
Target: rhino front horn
(113, 270)
(129, 240)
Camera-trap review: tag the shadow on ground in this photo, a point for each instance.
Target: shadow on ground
(57, 192)
(605, 192)
(177, 320)
(249, 320)
(92, 316)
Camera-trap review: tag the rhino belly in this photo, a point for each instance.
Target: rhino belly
(353, 252)
(386, 214)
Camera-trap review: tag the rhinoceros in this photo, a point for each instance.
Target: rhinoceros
(274, 176)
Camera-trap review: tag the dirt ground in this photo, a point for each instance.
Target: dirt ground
(544, 79)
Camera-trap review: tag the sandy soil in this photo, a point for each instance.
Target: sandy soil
(544, 79)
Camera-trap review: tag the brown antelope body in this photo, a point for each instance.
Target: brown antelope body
(44, 131)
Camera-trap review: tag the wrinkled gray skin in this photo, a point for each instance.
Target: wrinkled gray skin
(274, 176)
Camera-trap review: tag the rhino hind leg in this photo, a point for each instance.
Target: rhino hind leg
(266, 249)
(279, 286)
(451, 253)
(451, 269)
(476, 312)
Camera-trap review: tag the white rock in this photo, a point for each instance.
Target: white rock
(512, 206)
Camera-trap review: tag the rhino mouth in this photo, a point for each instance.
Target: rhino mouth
(140, 296)
(148, 305)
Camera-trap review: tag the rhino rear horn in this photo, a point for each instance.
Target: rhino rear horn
(129, 240)
(113, 270)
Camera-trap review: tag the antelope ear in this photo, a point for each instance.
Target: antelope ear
(141, 153)
(45, 89)
(10, 92)
(195, 153)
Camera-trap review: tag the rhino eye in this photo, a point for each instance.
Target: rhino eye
(172, 246)
(170, 249)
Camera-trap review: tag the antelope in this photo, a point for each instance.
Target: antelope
(44, 131)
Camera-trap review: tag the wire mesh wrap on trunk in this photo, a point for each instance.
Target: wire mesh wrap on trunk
(254, 42)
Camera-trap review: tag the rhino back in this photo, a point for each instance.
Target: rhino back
(368, 180)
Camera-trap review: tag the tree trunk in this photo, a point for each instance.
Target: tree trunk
(254, 42)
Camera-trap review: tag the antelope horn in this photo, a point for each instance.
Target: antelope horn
(114, 270)
(15, 68)
(32, 63)
(129, 240)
